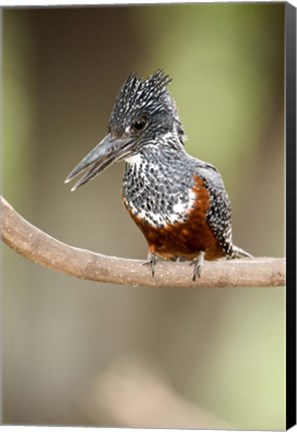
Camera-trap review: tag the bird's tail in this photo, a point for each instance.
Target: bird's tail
(240, 253)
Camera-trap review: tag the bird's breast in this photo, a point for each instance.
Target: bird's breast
(182, 231)
(156, 197)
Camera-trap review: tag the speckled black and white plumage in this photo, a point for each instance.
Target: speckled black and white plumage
(179, 202)
(161, 193)
(158, 179)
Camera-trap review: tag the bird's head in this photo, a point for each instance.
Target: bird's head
(143, 113)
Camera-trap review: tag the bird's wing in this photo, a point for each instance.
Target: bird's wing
(219, 214)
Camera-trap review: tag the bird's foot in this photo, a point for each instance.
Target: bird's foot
(198, 264)
(151, 260)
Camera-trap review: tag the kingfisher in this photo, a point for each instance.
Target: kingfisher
(179, 202)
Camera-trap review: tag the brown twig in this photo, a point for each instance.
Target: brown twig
(39, 247)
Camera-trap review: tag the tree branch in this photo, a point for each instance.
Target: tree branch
(39, 247)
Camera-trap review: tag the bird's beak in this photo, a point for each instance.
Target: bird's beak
(108, 151)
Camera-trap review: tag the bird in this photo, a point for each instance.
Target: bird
(180, 203)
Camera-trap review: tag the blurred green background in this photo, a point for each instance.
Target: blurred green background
(83, 353)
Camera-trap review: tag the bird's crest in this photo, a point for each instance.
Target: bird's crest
(139, 94)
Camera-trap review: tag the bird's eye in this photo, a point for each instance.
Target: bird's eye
(139, 124)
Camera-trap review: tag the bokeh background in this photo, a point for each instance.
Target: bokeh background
(83, 353)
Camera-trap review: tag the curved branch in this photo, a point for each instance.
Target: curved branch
(39, 247)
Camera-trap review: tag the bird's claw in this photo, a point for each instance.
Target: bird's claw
(198, 264)
(151, 260)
